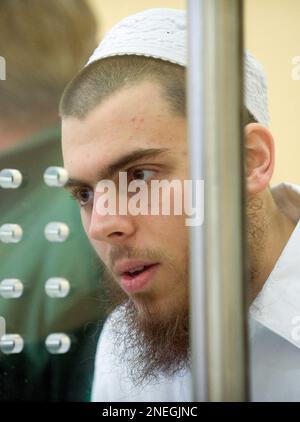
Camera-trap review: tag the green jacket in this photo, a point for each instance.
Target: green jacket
(34, 374)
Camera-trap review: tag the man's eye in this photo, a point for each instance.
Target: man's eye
(82, 195)
(141, 174)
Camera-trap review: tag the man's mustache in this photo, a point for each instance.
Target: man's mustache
(126, 252)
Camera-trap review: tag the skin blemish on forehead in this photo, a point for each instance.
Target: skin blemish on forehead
(137, 121)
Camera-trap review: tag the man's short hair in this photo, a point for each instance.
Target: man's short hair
(107, 76)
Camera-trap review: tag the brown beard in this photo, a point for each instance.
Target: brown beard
(151, 344)
(258, 226)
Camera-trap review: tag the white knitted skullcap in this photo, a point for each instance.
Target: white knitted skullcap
(162, 34)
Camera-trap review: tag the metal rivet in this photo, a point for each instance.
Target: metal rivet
(11, 233)
(56, 176)
(56, 232)
(11, 288)
(10, 178)
(58, 343)
(11, 343)
(57, 287)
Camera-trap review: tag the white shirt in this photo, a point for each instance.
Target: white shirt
(274, 336)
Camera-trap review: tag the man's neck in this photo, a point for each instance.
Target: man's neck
(278, 231)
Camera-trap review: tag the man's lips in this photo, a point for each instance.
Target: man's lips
(134, 275)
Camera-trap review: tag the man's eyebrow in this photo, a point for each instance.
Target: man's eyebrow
(118, 165)
(130, 158)
(74, 183)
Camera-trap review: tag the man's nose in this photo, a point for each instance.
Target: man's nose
(111, 228)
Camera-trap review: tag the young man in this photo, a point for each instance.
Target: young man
(125, 113)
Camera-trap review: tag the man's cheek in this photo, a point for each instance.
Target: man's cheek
(100, 250)
(86, 220)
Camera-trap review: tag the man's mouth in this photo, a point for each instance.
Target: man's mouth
(135, 276)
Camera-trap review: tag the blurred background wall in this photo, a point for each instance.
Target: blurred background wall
(272, 34)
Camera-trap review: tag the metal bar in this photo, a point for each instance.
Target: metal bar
(224, 200)
(195, 105)
(220, 372)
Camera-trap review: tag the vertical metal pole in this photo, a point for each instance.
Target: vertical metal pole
(218, 305)
(195, 104)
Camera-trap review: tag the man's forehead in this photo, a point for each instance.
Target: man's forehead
(82, 139)
(125, 110)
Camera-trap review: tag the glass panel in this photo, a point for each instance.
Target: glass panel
(50, 277)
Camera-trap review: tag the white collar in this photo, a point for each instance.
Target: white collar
(277, 306)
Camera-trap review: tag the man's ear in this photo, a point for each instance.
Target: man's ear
(259, 155)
